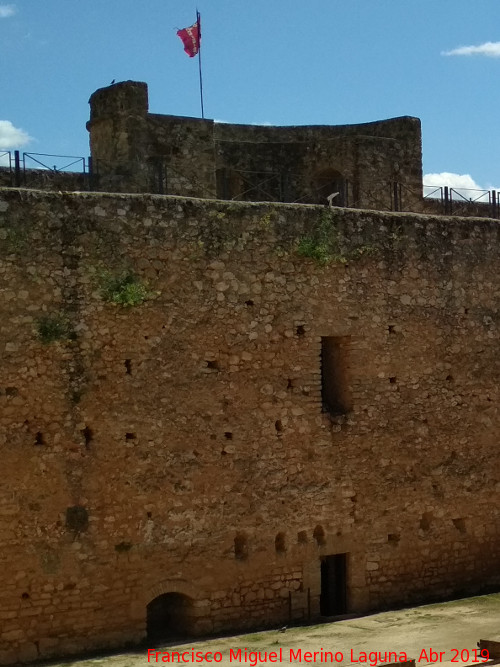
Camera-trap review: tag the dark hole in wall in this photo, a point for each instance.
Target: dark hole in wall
(87, 436)
(289, 384)
(319, 535)
(249, 302)
(130, 436)
(393, 538)
(11, 391)
(460, 525)
(391, 328)
(128, 366)
(214, 365)
(39, 439)
(335, 392)
(169, 617)
(77, 518)
(228, 435)
(302, 537)
(426, 521)
(76, 396)
(278, 425)
(149, 514)
(240, 547)
(25, 596)
(449, 378)
(300, 330)
(392, 380)
(280, 543)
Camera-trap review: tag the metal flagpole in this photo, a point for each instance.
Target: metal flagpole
(199, 61)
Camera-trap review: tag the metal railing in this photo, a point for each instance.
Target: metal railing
(464, 201)
(29, 169)
(52, 170)
(55, 168)
(6, 159)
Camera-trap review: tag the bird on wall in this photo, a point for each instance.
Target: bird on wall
(114, 81)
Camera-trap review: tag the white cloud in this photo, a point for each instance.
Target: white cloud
(12, 137)
(463, 185)
(490, 49)
(6, 11)
(452, 180)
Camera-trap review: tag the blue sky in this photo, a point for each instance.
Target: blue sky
(283, 62)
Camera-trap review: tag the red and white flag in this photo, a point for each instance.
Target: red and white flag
(191, 37)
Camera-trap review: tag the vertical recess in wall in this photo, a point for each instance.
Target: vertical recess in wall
(335, 394)
(240, 547)
(87, 436)
(319, 535)
(280, 543)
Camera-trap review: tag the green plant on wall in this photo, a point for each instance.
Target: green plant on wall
(55, 327)
(13, 239)
(325, 245)
(124, 289)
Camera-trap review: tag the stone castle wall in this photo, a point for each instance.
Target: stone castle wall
(135, 151)
(181, 445)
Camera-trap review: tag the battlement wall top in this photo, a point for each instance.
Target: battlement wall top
(126, 97)
(135, 151)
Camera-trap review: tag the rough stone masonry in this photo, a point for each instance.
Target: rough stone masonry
(236, 415)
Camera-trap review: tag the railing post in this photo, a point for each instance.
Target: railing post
(447, 201)
(90, 172)
(493, 199)
(17, 170)
(395, 195)
(282, 186)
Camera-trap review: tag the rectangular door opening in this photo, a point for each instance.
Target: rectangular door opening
(333, 600)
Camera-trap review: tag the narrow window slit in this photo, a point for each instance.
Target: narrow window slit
(335, 394)
(87, 436)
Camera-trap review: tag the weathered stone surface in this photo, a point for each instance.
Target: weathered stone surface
(228, 486)
(136, 151)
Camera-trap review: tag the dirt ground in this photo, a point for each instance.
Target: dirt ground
(443, 627)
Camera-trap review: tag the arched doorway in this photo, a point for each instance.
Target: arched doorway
(328, 182)
(169, 617)
(229, 183)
